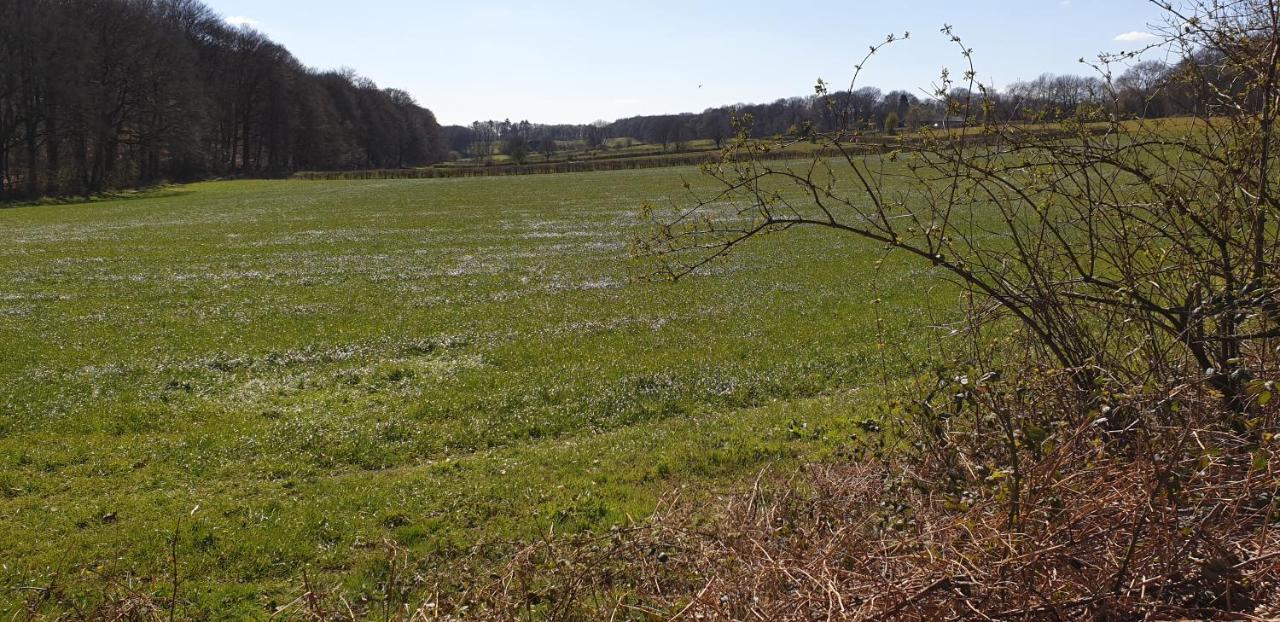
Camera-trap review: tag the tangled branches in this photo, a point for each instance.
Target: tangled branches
(1135, 246)
(1147, 522)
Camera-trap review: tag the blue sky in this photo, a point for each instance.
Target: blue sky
(572, 61)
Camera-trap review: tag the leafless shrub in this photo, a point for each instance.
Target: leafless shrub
(1152, 521)
(1121, 246)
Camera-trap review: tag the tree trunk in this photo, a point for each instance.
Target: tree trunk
(4, 170)
(82, 162)
(33, 160)
(51, 149)
(245, 146)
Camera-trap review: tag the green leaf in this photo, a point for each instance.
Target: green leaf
(1036, 434)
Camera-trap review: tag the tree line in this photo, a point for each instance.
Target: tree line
(104, 94)
(1148, 89)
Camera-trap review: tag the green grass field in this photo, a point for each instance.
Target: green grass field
(322, 366)
(579, 151)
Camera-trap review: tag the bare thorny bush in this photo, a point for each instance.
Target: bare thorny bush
(1121, 247)
(1136, 259)
(1118, 463)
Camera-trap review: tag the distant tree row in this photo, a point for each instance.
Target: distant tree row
(515, 139)
(1148, 89)
(102, 94)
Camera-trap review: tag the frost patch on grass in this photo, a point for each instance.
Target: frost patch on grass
(588, 285)
(471, 265)
(400, 377)
(19, 297)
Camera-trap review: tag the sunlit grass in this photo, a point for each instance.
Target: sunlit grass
(323, 365)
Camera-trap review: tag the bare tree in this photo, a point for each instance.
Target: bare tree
(1121, 248)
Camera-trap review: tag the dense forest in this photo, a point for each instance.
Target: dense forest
(102, 94)
(1148, 89)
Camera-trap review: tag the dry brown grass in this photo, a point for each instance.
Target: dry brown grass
(1160, 518)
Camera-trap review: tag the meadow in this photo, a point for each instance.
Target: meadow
(289, 374)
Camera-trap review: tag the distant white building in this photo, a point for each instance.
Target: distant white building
(950, 122)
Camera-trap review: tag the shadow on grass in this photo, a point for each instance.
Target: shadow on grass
(165, 192)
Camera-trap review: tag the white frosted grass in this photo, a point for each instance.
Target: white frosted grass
(403, 377)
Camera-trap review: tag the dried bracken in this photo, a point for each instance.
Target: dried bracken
(1154, 522)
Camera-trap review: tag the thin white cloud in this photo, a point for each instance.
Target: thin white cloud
(240, 20)
(1137, 35)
